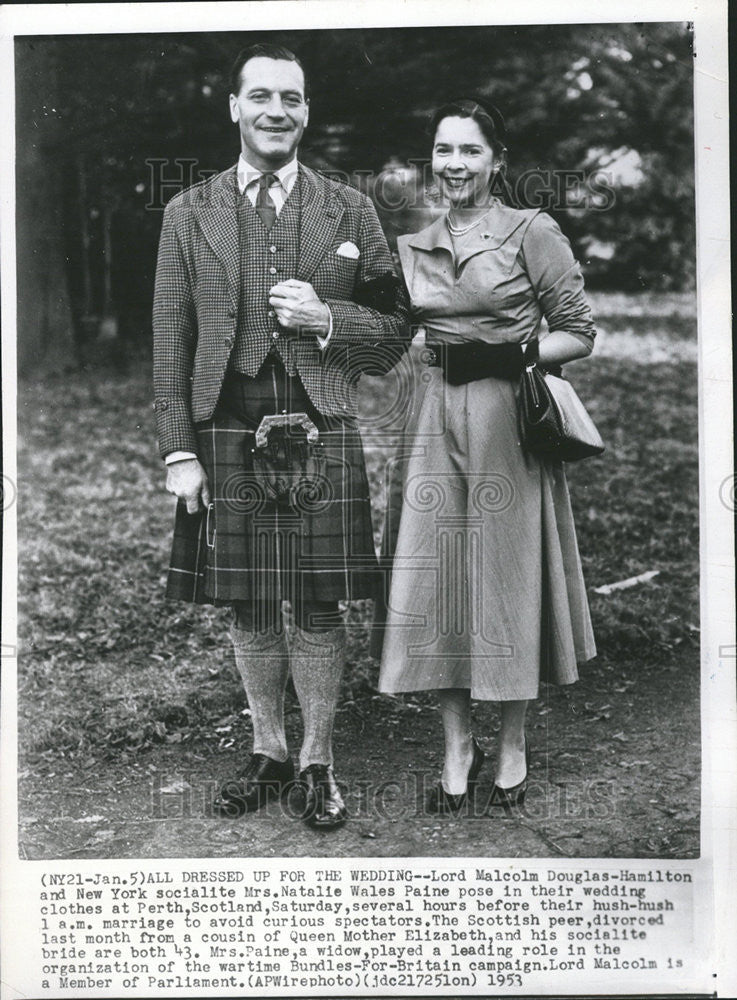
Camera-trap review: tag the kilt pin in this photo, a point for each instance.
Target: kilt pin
(314, 543)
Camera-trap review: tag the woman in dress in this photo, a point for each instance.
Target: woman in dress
(487, 595)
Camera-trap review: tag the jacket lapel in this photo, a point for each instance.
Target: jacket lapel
(433, 236)
(215, 212)
(321, 215)
(492, 232)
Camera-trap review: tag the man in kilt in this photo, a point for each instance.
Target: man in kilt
(274, 290)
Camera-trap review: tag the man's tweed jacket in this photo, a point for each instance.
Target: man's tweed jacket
(197, 289)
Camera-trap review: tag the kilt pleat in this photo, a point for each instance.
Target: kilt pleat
(316, 544)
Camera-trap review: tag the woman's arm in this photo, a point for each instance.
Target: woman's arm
(556, 278)
(559, 347)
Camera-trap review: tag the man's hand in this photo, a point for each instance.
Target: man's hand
(187, 480)
(298, 308)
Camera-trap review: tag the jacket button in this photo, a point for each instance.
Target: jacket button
(163, 405)
(272, 270)
(275, 335)
(271, 314)
(272, 249)
(229, 340)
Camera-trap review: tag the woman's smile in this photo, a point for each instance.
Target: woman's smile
(456, 183)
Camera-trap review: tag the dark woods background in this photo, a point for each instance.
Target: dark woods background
(95, 113)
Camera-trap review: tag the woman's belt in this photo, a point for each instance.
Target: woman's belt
(475, 359)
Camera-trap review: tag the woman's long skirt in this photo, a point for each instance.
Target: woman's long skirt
(486, 591)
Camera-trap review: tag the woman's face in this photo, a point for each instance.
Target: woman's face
(462, 162)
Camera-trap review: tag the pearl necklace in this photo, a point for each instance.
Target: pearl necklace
(461, 230)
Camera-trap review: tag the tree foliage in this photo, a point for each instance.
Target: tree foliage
(120, 114)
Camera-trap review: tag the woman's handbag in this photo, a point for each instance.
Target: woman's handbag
(553, 420)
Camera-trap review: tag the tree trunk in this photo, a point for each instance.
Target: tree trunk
(84, 231)
(46, 341)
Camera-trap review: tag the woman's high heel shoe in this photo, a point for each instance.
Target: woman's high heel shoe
(442, 802)
(508, 798)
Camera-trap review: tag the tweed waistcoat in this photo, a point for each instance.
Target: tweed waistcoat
(265, 259)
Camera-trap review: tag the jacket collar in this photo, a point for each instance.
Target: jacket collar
(214, 210)
(433, 236)
(492, 232)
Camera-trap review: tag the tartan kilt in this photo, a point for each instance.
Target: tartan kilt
(317, 546)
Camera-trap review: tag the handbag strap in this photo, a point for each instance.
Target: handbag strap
(532, 357)
(532, 352)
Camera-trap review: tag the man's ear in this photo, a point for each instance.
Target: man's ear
(307, 112)
(233, 109)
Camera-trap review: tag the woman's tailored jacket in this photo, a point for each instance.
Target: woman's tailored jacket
(514, 268)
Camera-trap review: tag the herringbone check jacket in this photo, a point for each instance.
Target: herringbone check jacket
(196, 300)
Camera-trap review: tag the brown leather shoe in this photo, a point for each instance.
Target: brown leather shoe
(262, 779)
(324, 806)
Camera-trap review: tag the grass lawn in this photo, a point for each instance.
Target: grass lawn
(113, 677)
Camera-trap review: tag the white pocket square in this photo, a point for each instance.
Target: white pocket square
(348, 249)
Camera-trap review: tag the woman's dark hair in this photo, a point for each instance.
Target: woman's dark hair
(268, 51)
(491, 122)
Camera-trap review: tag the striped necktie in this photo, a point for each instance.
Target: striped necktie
(265, 206)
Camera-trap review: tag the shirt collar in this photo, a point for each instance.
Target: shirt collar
(248, 174)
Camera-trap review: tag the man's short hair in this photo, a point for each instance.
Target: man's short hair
(266, 50)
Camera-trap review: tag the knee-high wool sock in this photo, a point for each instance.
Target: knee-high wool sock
(262, 659)
(317, 660)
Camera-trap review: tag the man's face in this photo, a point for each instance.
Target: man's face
(270, 110)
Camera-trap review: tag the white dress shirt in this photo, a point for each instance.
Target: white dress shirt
(248, 178)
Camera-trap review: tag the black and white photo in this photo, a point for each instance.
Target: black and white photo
(367, 499)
